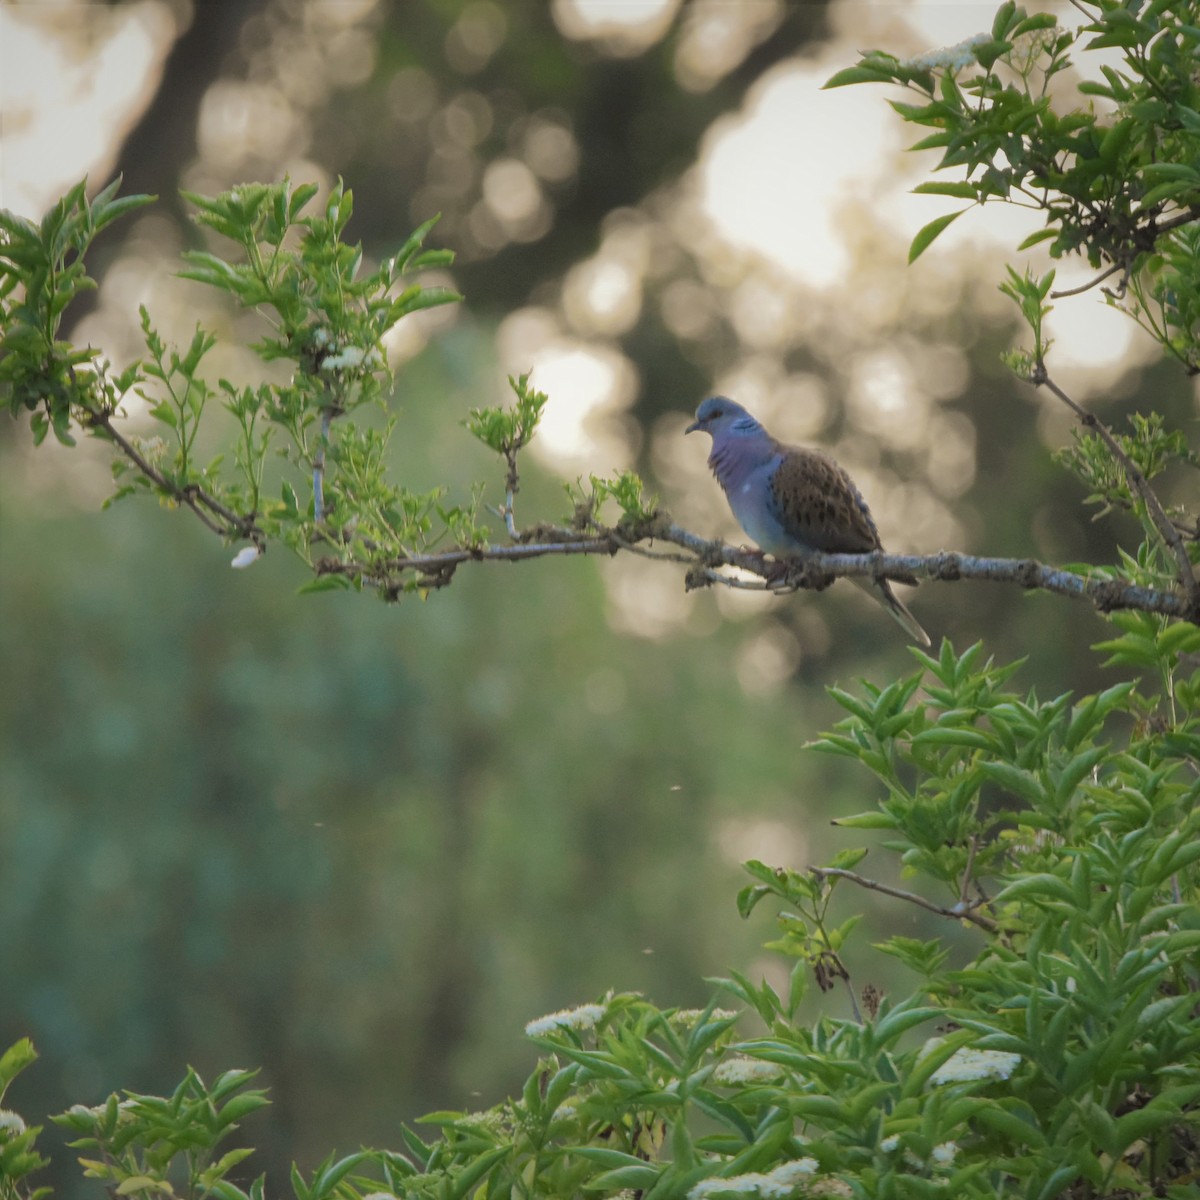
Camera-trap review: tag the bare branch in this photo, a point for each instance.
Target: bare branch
(814, 573)
(960, 912)
(1087, 287)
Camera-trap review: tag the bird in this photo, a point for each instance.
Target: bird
(793, 500)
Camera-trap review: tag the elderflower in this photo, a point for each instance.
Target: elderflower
(745, 1070)
(952, 58)
(968, 1063)
(786, 1177)
(11, 1122)
(350, 357)
(581, 1018)
(773, 1185)
(943, 1155)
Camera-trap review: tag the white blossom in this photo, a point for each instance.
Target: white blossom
(785, 1178)
(890, 1143)
(953, 58)
(773, 1185)
(968, 1063)
(581, 1018)
(11, 1122)
(245, 556)
(350, 357)
(943, 1155)
(741, 1069)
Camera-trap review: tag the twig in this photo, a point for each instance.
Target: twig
(319, 467)
(1137, 481)
(960, 912)
(511, 486)
(1087, 287)
(193, 496)
(972, 846)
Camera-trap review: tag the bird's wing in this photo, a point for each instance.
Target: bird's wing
(817, 503)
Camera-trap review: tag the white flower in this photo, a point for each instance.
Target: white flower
(321, 336)
(745, 1070)
(786, 1177)
(943, 1155)
(717, 1186)
(583, 1017)
(351, 357)
(244, 557)
(775, 1184)
(953, 58)
(968, 1063)
(11, 1122)
(890, 1143)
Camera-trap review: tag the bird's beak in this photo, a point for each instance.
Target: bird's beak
(695, 425)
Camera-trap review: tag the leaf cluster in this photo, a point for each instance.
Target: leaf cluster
(41, 273)
(1054, 1051)
(1108, 182)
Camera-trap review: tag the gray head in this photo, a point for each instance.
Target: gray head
(721, 417)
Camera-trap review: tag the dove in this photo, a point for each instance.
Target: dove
(792, 500)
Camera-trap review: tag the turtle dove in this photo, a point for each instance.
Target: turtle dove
(792, 500)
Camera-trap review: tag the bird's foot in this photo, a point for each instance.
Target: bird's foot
(792, 574)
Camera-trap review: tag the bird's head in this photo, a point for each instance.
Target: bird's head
(719, 416)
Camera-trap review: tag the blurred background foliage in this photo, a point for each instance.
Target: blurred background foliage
(360, 846)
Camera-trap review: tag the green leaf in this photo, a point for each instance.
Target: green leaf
(963, 190)
(928, 233)
(867, 820)
(859, 74)
(14, 1060)
(1042, 235)
(325, 583)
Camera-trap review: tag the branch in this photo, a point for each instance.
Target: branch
(813, 573)
(1137, 481)
(1087, 287)
(319, 467)
(227, 523)
(960, 911)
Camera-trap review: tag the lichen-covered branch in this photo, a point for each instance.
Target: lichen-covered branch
(707, 561)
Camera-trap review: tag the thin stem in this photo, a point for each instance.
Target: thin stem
(1087, 287)
(512, 482)
(195, 498)
(960, 912)
(319, 467)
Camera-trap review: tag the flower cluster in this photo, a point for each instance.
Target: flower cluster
(741, 1069)
(582, 1018)
(967, 1064)
(781, 1181)
(952, 58)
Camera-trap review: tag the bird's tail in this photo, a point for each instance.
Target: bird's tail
(882, 591)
